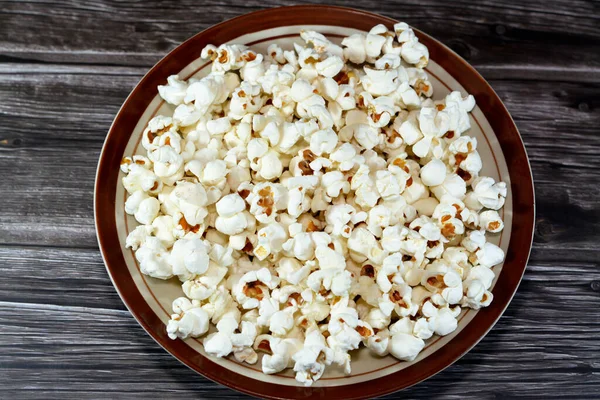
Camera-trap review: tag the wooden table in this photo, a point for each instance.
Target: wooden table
(66, 68)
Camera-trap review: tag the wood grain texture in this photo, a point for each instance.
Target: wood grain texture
(486, 33)
(67, 66)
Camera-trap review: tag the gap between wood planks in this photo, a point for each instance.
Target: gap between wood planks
(64, 308)
(531, 72)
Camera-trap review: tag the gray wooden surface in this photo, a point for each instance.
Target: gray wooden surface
(67, 66)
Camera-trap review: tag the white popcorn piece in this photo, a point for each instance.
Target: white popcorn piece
(153, 259)
(442, 320)
(279, 352)
(405, 346)
(426, 206)
(380, 82)
(379, 343)
(363, 245)
(139, 178)
(486, 193)
(270, 240)
(203, 286)
(355, 48)
(191, 199)
(138, 236)
(147, 210)
(218, 126)
(292, 270)
(174, 91)
(311, 360)
(476, 296)
(378, 219)
(254, 67)
(490, 221)
(220, 344)
(230, 205)
(320, 43)
(189, 257)
(474, 241)
(187, 321)
(250, 289)
(336, 281)
(433, 173)
(330, 67)
(452, 185)
(490, 255)
(281, 322)
(323, 141)
(422, 329)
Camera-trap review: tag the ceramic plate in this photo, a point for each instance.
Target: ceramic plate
(149, 300)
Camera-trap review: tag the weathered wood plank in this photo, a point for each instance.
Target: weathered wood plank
(65, 69)
(46, 351)
(49, 147)
(487, 33)
(77, 278)
(56, 276)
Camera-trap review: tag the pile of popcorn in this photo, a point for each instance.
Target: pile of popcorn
(315, 199)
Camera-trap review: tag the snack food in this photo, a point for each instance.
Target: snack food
(310, 205)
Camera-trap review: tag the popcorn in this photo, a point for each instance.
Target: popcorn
(363, 245)
(214, 173)
(378, 219)
(308, 197)
(282, 321)
(489, 255)
(270, 240)
(138, 236)
(380, 82)
(320, 43)
(490, 221)
(230, 205)
(300, 246)
(187, 321)
(279, 352)
(408, 128)
(310, 362)
(147, 210)
(203, 286)
(139, 178)
(442, 320)
(323, 141)
(175, 90)
(153, 259)
(433, 173)
(220, 344)
(486, 193)
(476, 296)
(438, 278)
(452, 185)
(251, 287)
(330, 67)
(379, 343)
(191, 199)
(254, 68)
(218, 126)
(336, 281)
(405, 346)
(366, 136)
(426, 206)
(292, 270)
(189, 257)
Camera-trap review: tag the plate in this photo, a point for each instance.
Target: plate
(149, 300)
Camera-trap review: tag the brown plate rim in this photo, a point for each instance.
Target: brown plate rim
(487, 100)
